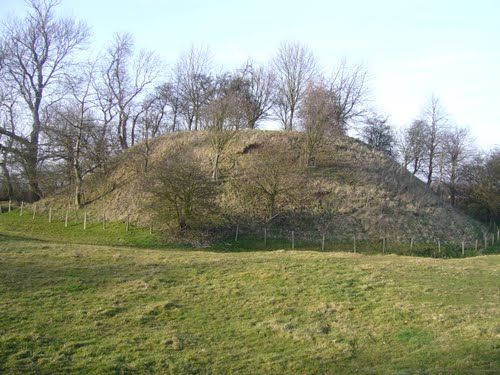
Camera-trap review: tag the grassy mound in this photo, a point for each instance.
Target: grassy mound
(367, 193)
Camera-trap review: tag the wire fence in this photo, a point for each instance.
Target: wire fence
(241, 237)
(275, 239)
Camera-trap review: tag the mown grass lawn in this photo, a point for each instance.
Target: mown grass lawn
(96, 309)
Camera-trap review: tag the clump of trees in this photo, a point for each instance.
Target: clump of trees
(65, 112)
(443, 155)
(477, 189)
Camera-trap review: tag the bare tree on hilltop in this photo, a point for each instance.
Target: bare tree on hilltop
(294, 66)
(317, 117)
(378, 134)
(125, 78)
(456, 150)
(349, 86)
(194, 74)
(436, 120)
(258, 93)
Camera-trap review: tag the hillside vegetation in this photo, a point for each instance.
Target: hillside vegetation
(351, 189)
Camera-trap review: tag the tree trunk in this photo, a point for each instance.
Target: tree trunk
(122, 132)
(8, 180)
(453, 182)
(78, 194)
(77, 172)
(415, 166)
(290, 126)
(215, 172)
(31, 160)
(174, 121)
(31, 169)
(146, 154)
(431, 167)
(272, 204)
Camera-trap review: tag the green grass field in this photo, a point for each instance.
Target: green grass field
(69, 308)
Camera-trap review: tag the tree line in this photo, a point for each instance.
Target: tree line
(64, 115)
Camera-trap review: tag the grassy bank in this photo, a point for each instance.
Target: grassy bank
(113, 234)
(121, 234)
(96, 309)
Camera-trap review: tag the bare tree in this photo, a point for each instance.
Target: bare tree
(417, 145)
(294, 66)
(194, 74)
(126, 77)
(182, 194)
(71, 127)
(169, 94)
(223, 117)
(7, 145)
(403, 148)
(269, 181)
(436, 120)
(348, 84)
(258, 90)
(378, 134)
(37, 54)
(456, 149)
(153, 118)
(317, 115)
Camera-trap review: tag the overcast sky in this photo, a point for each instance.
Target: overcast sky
(412, 49)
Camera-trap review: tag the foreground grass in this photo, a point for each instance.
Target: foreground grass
(95, 309)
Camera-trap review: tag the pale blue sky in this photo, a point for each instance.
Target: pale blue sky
(411, 48)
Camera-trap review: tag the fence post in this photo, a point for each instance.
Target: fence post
(265, 237)
(10, 205)
(50, 214)
(383, 245)
(66, 218)
(485, 242)
(411, 244)
(498, 235)
(463, 248)
(439, 247)
(237, 232)
(476, 245)
(293, 240)
(34, 211)
(22, 206)
(354, 243)
(103, 221)
(492, 239)
(84, 220)
(323, 242)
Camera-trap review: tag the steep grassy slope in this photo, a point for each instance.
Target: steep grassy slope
(371, 196)
(94, 309)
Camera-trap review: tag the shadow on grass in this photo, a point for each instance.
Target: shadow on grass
(16, 238)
